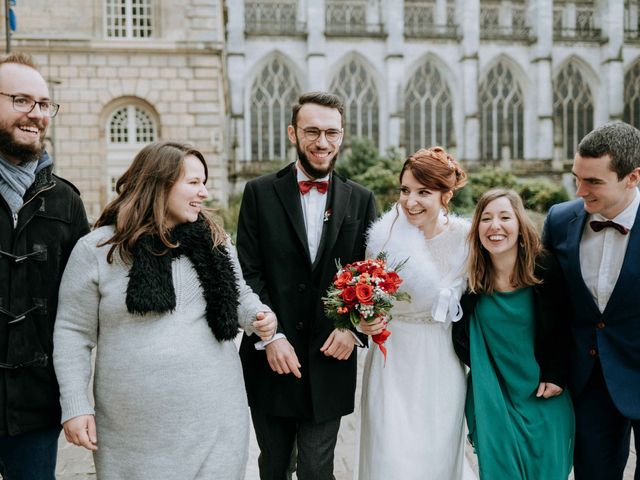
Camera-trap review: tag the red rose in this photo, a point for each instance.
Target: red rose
(391, 282)
(343, 280)
(364, 293)
(362, 267)
(377, 272)
(349, 295)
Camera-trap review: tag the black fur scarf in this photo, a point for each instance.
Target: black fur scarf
(150, 287)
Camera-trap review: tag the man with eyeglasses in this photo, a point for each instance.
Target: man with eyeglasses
(293, 226)
(41, 218)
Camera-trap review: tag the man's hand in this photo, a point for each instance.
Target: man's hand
(548, 390)
(282, 357)
(81, 431)
(265, 325)
(339, 345)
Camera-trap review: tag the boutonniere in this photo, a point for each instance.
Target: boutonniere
(327, 215)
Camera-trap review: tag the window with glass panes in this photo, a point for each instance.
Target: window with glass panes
(428, 110)
(129, 128)
(572, 108)
(355, 87)
(128, 18)
(274, 91)
(501, 115)
(632, 95)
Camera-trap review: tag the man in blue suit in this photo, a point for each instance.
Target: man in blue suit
(596, 239)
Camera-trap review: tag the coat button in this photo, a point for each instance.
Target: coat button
(302, 287)
(299, 326)
(593, 352)
(600, 325)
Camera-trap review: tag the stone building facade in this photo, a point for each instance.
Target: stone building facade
(514, 83)
(127, 72)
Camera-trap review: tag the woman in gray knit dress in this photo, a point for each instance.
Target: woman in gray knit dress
(156, 287)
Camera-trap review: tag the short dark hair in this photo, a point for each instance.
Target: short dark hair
(619, 140)
(325, 99)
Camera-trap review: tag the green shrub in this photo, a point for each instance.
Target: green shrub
(541, 195)
(488, 178)
(379, 173)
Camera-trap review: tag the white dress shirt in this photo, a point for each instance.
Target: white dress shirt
(602, 253)
(313, 210)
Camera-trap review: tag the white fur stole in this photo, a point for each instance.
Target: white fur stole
(432, 287)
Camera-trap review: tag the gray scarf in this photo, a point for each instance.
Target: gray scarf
(16, 179)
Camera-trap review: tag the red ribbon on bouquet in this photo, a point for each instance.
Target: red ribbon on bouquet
(379, 339)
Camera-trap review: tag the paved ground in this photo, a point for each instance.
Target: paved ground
(75, 463)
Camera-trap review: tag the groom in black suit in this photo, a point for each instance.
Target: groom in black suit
(293, 225)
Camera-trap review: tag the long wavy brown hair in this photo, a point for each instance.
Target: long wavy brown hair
(481, 269)
(143, 190)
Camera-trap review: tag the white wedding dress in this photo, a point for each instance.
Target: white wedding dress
(412, 411)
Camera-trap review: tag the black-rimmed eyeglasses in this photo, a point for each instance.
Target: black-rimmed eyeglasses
(26, 105)
(312, 134)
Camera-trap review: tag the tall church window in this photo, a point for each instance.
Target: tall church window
(572, 109)
(128, 18)
(355, 87)
(428, 110)
(501, 115)
(632, 95)
(273, 92)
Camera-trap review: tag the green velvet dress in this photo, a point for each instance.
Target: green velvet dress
(515, 434)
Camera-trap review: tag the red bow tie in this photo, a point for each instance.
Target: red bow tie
(321, 186)
(596, 226)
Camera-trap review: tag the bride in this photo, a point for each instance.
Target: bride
(412, 423)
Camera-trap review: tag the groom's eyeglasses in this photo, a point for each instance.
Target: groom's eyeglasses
(312, 134)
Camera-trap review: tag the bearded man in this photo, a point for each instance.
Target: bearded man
(293, 226)
(41, 218)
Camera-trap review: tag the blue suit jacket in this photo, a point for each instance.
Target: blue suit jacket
(613, 335)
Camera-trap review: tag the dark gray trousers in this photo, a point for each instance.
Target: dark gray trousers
(291, 444)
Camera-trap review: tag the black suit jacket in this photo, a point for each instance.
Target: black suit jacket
(274, 254)
(551, 314)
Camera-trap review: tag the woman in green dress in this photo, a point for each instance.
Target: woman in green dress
(514, 336)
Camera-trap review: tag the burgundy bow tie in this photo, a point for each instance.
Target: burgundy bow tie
(321, 186)
(597, 225)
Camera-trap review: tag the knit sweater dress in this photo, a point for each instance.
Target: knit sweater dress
(170, 401)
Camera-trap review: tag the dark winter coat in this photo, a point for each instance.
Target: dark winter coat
(32, 258)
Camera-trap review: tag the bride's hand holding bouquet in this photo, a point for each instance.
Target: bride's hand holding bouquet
(365, 290)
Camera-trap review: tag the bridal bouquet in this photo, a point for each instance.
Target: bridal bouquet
(364, 290)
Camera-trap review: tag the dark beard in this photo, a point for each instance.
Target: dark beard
(23, 153)
(312, 171)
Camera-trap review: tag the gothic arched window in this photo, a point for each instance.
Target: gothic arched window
(273, 93)
(501, 115)
(428, 117)
(632, 95)
(355, 87)
(572, 109)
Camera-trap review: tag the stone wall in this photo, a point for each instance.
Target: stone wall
(177, 76)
